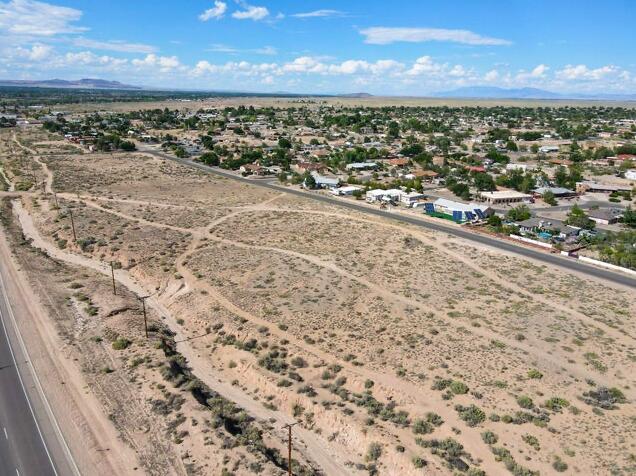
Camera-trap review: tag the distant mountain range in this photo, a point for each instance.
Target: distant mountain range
(355, 95)
(86, 83)
(492, 92)
(470, 92)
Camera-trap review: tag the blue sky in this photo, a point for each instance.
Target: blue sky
(320, 46)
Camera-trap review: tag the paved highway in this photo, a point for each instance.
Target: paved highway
(22, 447)
(556, 260)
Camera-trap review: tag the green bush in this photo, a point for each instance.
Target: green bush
(434, 419)
(458, 388)
(419, 462)
(421, 427)
(525, 402)
(121, 343)
(472, 415)
(489, 437)
(374, 451)
(559, 465)
(556, 404)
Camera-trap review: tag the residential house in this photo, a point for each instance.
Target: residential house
(325, 182)
(606, 216)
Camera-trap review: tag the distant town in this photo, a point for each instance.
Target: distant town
(558, 178)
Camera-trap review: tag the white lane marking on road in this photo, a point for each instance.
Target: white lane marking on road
(49, 410)
(6, 435)
(15, 362)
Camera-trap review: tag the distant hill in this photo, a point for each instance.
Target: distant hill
(493, 92)
(355, 95)
(87, 83)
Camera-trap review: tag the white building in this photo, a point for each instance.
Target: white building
(630, 174)
(379, 195)
(522, 167)
(505, 197)
(361, 165)
(349, 190)
(325, 182)
(411, 198)
(546, 149)
(467, 211)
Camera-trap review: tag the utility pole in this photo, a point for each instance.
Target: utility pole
(143, 305)
(70, 212)
(289, 446)
(112, 273)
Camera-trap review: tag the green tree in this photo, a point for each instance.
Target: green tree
(549, 198)
(461, 190)
(520, 213)
(284, 143)
(629, 217)
(210, 158)
(484, 181)
(394, 130)
(309, 181)
(578, 218)
(494, 221)
(127, 146)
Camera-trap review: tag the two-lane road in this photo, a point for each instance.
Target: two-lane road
(22, 448)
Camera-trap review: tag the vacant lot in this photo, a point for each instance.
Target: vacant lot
(394, 347)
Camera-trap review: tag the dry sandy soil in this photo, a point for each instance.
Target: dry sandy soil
(397, 350)
(221, 102)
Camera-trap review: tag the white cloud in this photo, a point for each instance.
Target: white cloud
(114, 45)
(36, 52)
(425, 65)
(305, 64)
(216, 12)
(265, 50)
(539, 71)
(491, 75)
(251, 13)
(30, 18)
(582, 73)
(458, 71)
(319, 14)
(163, 63)
(387, 35)
(87, 58)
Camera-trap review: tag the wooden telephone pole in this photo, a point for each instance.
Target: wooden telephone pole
(70, 212)
(289, 446)
(112, 273)
(143, 305)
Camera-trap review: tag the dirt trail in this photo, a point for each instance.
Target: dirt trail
(93, 440)
(505, 284)
(577, 370)
(6, 179)
(316, 449)
(398, 388)
(556, 363)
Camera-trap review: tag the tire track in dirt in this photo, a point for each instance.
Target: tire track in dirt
(316, 449)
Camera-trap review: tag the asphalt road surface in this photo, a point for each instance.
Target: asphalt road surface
(556, 260)
(23, 451)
